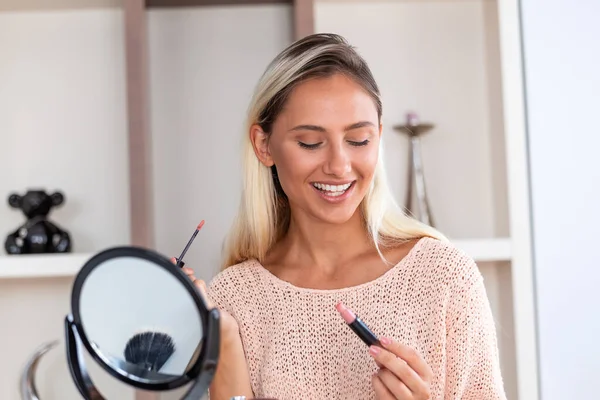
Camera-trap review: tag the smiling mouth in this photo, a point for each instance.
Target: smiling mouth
(333, 190)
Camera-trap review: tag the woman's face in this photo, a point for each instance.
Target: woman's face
(325, 146)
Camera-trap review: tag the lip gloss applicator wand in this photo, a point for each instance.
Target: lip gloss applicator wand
(179, 259)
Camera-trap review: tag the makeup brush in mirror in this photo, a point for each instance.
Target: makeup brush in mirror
(149, 350)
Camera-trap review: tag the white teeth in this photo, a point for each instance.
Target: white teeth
(333, 190)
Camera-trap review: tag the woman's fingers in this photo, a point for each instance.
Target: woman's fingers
(381, 391)
(402, 372)
(202, 289)
(197, 282)
(394, 385)
(406, 366)
(201, 286)
(410, 355)
(189, 272)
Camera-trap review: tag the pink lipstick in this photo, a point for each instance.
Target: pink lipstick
(357, 325)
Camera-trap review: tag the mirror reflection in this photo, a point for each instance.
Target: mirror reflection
(140, 319)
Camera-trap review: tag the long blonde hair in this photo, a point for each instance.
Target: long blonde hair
(264, 212)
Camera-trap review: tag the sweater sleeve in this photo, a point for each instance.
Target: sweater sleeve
(217, 291)
(473, 366)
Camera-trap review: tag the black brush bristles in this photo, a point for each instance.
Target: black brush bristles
(149, 350)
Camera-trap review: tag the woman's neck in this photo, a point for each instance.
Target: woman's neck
(324, 246)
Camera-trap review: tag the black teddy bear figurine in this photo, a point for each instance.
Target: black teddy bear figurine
(37, 235)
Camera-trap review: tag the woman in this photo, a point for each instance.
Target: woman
(317, 225)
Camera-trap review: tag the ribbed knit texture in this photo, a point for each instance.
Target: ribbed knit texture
(298, 347)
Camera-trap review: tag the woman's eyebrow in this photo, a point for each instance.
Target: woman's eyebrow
(317, 128)
(308, 128)
(358, 125)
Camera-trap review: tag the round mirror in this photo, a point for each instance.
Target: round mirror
(142, 320)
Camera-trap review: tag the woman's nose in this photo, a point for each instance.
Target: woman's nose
(338, 163)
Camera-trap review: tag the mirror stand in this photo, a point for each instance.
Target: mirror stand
(203, 373)
(144, 322)
(77, 363)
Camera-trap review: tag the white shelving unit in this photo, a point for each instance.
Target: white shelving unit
(41, 266)
(66, 265)
(486, 250)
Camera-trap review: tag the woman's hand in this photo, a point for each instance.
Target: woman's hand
(403, 373)
(229, 326)
(231, 377)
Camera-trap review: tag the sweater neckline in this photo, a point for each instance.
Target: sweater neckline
(280, 282)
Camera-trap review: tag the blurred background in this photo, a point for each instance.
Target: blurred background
(135, 112)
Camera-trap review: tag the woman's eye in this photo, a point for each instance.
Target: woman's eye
(363, 143)
(309, 145)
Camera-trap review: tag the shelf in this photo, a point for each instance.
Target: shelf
(486, 250)
(41, 265)
(64, 265)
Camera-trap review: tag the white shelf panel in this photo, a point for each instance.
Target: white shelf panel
(62, 265)
(486, 250)
(41, 265)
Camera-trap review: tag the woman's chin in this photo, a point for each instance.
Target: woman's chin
(336, 216)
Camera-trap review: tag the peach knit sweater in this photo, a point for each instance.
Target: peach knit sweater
(298, 347)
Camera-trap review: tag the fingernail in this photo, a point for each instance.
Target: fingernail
(374, 350)
(177, 262)
(385, 341)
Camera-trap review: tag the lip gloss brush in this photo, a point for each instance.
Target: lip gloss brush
(179, 259)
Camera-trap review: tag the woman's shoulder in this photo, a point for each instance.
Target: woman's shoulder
(237, 286)
(244, 272)
(451, 273)
(238, 281)
(447, 261)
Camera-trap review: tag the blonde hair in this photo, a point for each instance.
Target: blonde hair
(264, 212)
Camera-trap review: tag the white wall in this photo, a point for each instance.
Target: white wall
(562, 60)
(63, 121)
(62, 126)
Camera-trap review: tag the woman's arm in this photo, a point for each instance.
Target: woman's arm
(472, 366)
(231, 377)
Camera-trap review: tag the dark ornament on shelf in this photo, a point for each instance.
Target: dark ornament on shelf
(37, 235)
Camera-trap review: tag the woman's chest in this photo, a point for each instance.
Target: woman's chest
(298, 362)
(302, 348)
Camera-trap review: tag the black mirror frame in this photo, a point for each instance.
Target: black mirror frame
(202, 370)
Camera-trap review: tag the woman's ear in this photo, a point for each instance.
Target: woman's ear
(260, 142)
